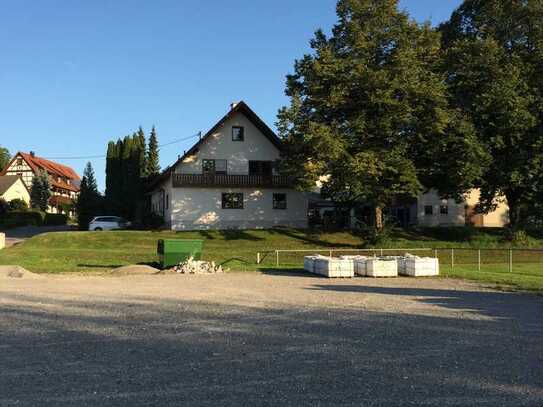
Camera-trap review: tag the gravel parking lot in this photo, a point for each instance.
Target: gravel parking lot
(266, 339)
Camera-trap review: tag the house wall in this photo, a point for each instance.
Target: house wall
(23, 170)
(457, 211)
(455, 217)
(201, 208)
(17, 191)
(496, 218)
(238, 153)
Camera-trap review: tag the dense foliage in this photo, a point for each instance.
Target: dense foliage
(386, 107)
(5, 157)
(369, 111)
(40, 191)
(129, 165)
(494, 65)
(90, 202)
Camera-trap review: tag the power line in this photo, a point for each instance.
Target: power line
(87, 157)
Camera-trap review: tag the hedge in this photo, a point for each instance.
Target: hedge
(23, 218)
(55, 219)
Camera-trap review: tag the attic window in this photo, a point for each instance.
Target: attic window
(19, 161)
(238, 133)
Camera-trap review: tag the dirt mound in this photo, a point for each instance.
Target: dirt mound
(17, 272)
(136, 269)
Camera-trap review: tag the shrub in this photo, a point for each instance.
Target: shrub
(23, 218)
(18, 205)
(55, 219)
(153, 221)
(4, 206)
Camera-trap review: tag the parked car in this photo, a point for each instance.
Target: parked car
(108, 223)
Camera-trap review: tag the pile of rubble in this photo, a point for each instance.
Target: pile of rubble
(191, 266)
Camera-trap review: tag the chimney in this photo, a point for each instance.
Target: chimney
(32, 154)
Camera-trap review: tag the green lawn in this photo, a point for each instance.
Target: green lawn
(103, 251)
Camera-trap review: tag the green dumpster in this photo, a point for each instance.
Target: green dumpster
(174, 251)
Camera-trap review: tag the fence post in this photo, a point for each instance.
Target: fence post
(381, 252)
(479, 259)
(510, 260)
(330, 253)
(452, 259)
(257, 257)
(435, 253)
(277, 258)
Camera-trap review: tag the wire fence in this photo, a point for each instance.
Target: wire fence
(519, 261)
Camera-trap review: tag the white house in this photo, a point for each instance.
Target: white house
(12, 187)
(431, 210)
(228, 180)
(63, 179)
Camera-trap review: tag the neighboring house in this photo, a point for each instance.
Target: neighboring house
(430, 210)
(12, 187)
(228, 180)
(64, 180)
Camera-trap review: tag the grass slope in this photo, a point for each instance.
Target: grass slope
(100, 252)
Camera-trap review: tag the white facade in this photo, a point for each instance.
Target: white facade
(203, 207)
(17, 190)
(431, 210)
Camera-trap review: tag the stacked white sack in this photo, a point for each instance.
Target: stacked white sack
(421, 266)
(381, 267)
(334, 267)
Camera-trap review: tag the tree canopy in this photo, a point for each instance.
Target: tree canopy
(494, 65)
(90, 201)
(369, 111)
(40, 192)
(5, 157)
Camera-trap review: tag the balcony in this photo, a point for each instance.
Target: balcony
(233, 181)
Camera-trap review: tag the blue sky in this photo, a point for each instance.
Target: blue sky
(75, 73)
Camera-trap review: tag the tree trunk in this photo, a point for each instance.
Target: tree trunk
(378, 217)
(515, 215)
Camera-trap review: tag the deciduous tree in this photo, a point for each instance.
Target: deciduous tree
(369, 110)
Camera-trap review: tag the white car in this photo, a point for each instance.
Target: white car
(108, 223)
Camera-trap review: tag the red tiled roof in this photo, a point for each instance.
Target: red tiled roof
(54, 169)
(63, 185)
(50, 166)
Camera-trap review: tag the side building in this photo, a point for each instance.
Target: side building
(64, 180)
(228, 180)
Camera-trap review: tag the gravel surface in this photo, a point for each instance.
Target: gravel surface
(266, 339)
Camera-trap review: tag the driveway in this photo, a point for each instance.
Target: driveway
(267, 340)
(17, 235)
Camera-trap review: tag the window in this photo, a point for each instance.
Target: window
(261, 168)
(428, 210)
(444, 209)
(19, 161)
(210, 167)
(279, 201)
(233, 200)
(238, 133)
(167, 201)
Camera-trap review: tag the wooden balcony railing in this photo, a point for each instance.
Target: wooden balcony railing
(234, 181)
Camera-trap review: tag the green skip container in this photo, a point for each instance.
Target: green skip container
(171, 252)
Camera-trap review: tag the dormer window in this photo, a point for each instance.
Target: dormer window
(238, 133)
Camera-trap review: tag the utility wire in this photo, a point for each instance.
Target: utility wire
(104, 156)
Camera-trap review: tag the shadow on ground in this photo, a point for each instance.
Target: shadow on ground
(150, 351)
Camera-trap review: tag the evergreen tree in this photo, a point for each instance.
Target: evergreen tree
(5, 157)
(153, 166)
(369, 111)
(89, 202)
(494, 63)
(40, 191)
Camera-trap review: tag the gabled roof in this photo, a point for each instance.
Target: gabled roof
(7, 181)
(38, 163)
(241, 107)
